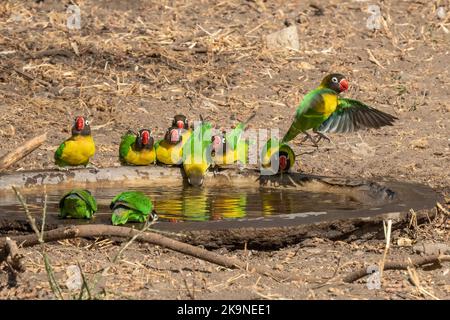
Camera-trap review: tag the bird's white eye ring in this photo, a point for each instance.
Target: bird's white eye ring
(223, 140)
(335, 80)
(87, 122)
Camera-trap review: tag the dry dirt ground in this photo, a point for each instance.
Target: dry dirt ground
(136, 64)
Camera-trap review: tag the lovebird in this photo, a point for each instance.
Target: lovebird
(230, 147)
(78, 204)
(131, 206)
(197, 154)
(169, 149)
(273, 154)
(137, 148)
(324, 111)
(79, 148)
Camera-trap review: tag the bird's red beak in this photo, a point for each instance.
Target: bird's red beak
(79, 123)
(145, 137)
(180, 124)
(216, 140)
(283, 162)
(343, 85)
(174, 136)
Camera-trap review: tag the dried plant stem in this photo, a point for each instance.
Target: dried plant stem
(40, 236)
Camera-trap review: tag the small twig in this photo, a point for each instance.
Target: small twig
(85, 284)
(10, 158)
(40, 240)
(387, 234)
(398, 265)
(416, 282)
(373, 59)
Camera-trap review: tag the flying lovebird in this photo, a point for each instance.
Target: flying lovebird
(229, 147)
(197, 154)
(169, 149)
(323, 111)
(79, 148)
(131, 206)
(78, 204)
(137, 148)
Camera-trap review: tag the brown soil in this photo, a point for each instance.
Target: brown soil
(139, 63)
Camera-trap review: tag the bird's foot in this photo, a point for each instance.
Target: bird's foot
(62, 169)
(154, 216)
(309, 137)
(320, 136)
(92, 166)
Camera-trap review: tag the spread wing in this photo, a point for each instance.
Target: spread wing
(352, 115)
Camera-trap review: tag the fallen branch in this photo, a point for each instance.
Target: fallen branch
(12, 255)
(97, 230)
(399, 265)
(17, 154)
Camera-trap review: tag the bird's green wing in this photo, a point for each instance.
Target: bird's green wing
(134, 200)
(87, 197)
(59, 151)
(233, 137)
(306, 116)
(126, 142)
(352, 115)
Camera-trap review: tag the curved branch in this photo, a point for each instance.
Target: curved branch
(98, 230)
(398, 265)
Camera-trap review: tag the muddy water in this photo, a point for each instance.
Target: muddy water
(190, 204)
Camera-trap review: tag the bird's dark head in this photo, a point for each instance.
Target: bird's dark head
(336, 82)
(81, 127)
(144, 139)
(173, 135)
(180, 121)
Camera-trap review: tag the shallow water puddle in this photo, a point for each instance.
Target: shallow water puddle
(191, 204)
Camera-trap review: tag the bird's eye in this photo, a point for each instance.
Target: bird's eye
(334, 79)
(87, 122)
(223, 140)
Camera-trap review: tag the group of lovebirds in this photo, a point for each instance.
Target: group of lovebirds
(196, 149)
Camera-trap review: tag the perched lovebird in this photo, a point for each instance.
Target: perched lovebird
(324, 111)
(230, 147)
(131, 206)
(137, 149)
(197, 154)
(78, 203)
(79, 148)
(169, 149)
(277, 157)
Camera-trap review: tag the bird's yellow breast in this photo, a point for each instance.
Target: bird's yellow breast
(172, 154)
(329, 104)
(78, 149)
(141, 158)
(169, 154)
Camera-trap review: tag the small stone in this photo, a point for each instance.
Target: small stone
(421, 143)
(440, 12)
(74, 280)
(404, 242)
(285, 38)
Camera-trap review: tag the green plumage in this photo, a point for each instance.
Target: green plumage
(270, 157)
(306, 116)
(352, 115)
(78, 203)
(130, 206)
(125, 144)
(198, 143)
